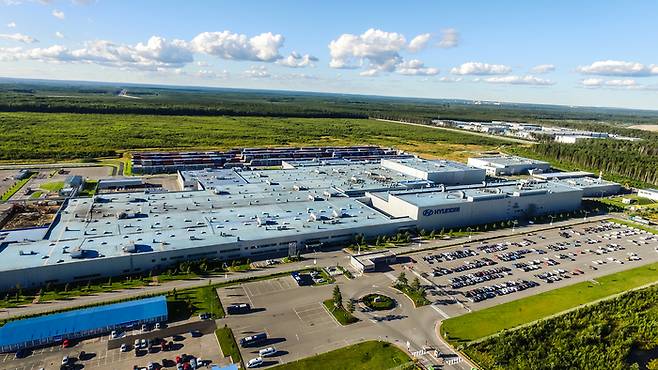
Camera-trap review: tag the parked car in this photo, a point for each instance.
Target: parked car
(266, 352)
(123, 348)
(255, 362)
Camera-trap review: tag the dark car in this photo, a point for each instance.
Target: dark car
(22, 353)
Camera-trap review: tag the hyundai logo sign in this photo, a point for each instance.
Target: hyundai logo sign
(439, 211)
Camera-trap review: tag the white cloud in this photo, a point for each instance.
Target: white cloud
(543, 68)
(227, 45)
(11, 25)
(296, 60)
(202, 63)
(519, 80)
(415, 67)
(449, 38)
(209, 74)
(419, 42)
(59, 35)
(58, 14)
(19, 37)
(450, 79)
(257, 72)
(619, 68)
(476, 68)
(378, 51)
(155, 54)
(613, 84)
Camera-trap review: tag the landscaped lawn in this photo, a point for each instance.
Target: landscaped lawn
(52, 186)
(228, 345)
(417, 296)
(361, 356)
(489, 321)
(340, 313)
(189, 302)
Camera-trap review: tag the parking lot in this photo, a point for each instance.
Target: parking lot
(97, 355)
(480, 275)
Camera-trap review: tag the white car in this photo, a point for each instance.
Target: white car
(123, 348)
(266, 352)
(255, 362)
(65, 360)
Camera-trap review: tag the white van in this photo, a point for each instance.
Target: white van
(266, 352)
(255, 362)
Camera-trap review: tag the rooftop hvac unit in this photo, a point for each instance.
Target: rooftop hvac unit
(77, 252)
(131, 247)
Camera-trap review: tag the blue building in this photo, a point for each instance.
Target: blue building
(49, 329)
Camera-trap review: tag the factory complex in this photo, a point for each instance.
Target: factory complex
(239, 213)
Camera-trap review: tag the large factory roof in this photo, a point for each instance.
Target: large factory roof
(438, 197)
(505, 161)
(431, 165)
(107, 225)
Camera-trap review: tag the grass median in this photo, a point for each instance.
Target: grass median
(228, 345)
(480, 324)
(343, 316)
(361, 356)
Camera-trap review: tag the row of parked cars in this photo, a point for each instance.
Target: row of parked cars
(512, 256)
(508, 287)
(253, 341)
(479, 277)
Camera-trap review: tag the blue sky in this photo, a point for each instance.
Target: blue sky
(599, 53)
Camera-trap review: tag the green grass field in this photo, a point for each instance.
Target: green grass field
(22, 135)
(54, 186)
(186, 303)
(489, 321)
(340, 314)
(361, 356)
(228, 345)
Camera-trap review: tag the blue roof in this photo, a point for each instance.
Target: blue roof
(228, 367)
(71, 322)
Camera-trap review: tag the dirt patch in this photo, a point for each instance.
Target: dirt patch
(652, 128)
(30, 215)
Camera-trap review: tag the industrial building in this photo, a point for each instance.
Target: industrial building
(230, 214)
(501, 165)
(648, 193)
(369, 262)
(49, 329)
(590, 185)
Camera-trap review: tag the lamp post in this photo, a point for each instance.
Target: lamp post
(552, 217)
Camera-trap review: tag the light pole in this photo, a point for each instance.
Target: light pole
(469, 231)
(552, 217)
(514, 223)
(585, 218)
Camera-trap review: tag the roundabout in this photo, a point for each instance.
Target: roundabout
(378, 302)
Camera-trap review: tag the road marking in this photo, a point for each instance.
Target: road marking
(445, 315)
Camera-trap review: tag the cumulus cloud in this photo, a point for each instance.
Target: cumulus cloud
(209, 74)
(296, 60)
(59, 35)
(612, 84)
(518, 80)
(619, 68)
(257, 72)
(415, 67)
(450, 79)
(19, 37)
(58, 14)
(11, 25)
(228, 45)
(543, 68)
(479, 69)
(419, 42)
(378, 51)
(449, 38)
(156, 53)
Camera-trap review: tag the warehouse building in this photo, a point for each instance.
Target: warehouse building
(648, 193)
(230, 214)
(508, 165)
(75, 324)
(432, 208)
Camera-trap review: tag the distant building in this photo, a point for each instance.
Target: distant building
(507, 165)
(72, 186)
(648, 193)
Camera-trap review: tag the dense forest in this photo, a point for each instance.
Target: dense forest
(607, 335)
(103, 98)
(637, 160)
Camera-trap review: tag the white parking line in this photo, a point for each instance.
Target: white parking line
(445, 315)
